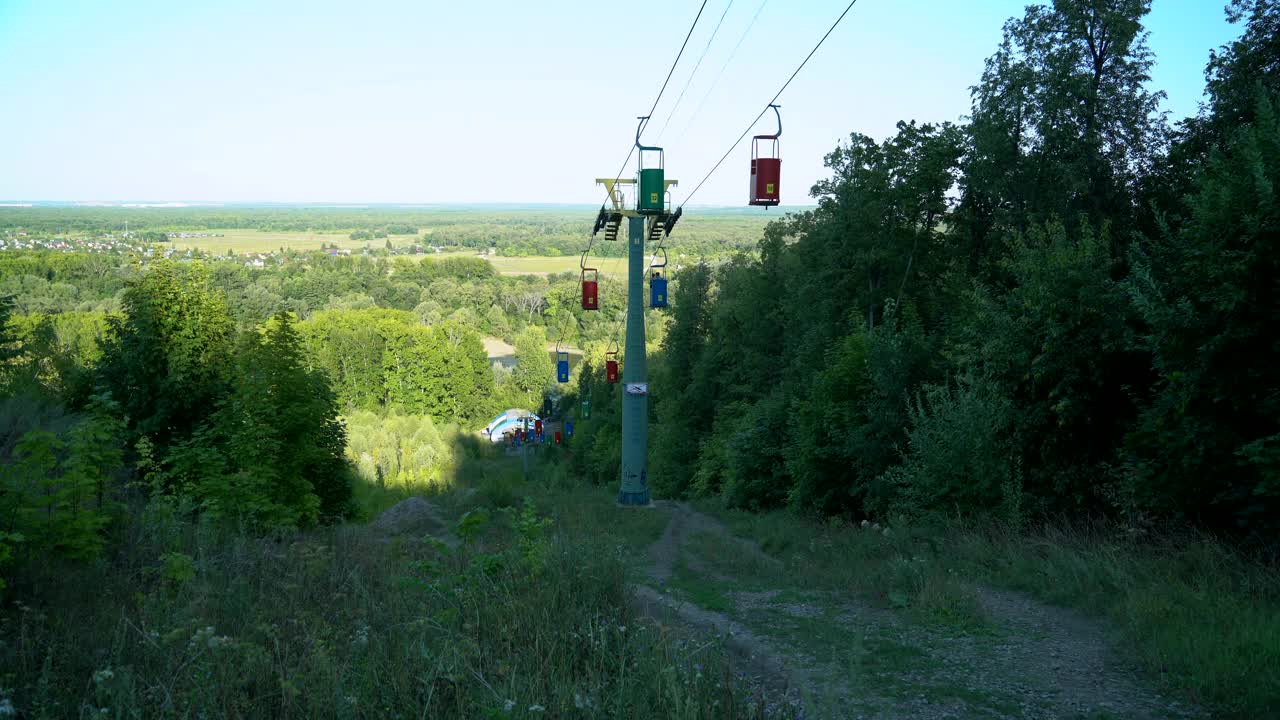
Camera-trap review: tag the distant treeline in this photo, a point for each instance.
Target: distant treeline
(467, 291)
(1063, 306)
(535, 232)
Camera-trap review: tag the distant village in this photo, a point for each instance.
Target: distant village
(107, 243)
(151, 244)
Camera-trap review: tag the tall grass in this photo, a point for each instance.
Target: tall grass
(1199, 616)
(195, 620)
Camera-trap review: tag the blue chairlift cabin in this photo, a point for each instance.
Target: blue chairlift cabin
(658, 283)
(562, 365)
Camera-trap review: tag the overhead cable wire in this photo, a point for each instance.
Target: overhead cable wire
(732, 54)
(769, 104)
(645, 122)
(696, 65)
(661, 90)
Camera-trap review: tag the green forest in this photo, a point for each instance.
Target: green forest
(1058, 312)
(1065, 306)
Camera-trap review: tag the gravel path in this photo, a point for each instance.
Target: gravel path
(835, 656)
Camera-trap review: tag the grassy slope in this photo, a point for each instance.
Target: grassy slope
(524, 620)
(345, 623)
(1198, 618)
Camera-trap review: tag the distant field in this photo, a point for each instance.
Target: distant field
(245, 241)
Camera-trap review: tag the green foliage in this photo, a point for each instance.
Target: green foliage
(348, 347)
(1206, 442)
(55, 354)
(1059, 345)
(8, 341)
(1017, 355)
(164, 361)
(179, 568)
(440, 371)
(272, 452)
(341, 622)
(959, 457)
(680, 426)
(407, 451)
(535, 371)
(531, 536)
(56, 496)
(1063, 122)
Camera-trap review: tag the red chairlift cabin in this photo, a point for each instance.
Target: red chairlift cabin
(611, 367)
(590, 288)
(766, 172)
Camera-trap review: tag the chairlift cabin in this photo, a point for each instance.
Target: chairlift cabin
(590, 289)
(766, 169)
(658, 283)
(562, 366)
(611, 367)
(651, 186)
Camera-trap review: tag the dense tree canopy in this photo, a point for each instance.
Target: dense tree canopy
(1064, 305)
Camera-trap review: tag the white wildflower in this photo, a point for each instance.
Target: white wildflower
(361, 637)
(102, 676)
(509, 705)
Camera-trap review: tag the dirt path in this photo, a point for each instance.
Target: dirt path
(813, 652)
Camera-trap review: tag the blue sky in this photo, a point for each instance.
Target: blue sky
(430, 101)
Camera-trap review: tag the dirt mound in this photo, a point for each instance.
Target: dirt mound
(414, 516)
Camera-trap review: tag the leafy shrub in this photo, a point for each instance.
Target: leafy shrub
(958, 457)
(755, 452)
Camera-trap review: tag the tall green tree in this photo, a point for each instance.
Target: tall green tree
(470, 396)
(1063, 123)
(687, 400)
(165, 361)
(1208, 445)
(272, 453)
(535, 371)
(1057, 350)
(348, 346)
